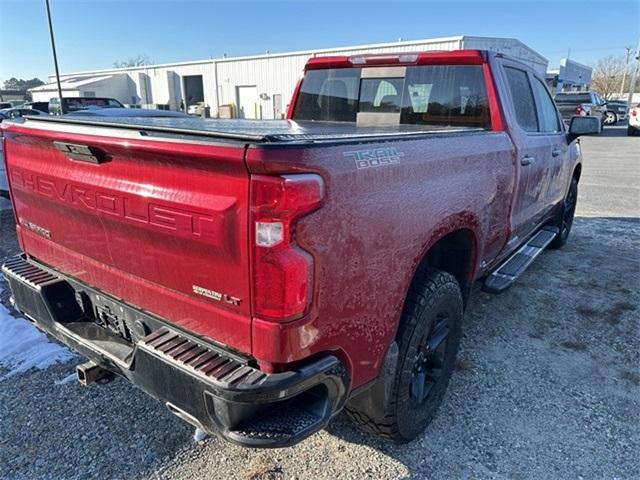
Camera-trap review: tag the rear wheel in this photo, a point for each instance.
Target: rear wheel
(428, 339)
(611, 118)
(565, 221)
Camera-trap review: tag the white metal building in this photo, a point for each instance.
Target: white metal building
(257, 86)
(116, 85)
(570, 77)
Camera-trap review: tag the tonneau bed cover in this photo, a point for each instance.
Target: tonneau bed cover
(253, 131)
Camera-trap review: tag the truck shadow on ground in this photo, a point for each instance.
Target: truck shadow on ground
(545, 373)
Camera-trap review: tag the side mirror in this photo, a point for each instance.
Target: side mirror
(583, 126)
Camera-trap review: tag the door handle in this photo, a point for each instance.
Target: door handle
(556, 152)
(527, 160)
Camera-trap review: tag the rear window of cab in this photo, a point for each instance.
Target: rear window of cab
(445, 95)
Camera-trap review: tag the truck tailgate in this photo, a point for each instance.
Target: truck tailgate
(158, 222)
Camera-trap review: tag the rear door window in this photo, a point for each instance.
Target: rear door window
(446, 95)
(522, 96)
(548, 115)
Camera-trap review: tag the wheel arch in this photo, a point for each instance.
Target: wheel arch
(577, 171)
(453, 250)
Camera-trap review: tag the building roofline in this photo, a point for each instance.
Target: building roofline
(321, 51)
(68, 84)
(563, 62)
(541, 57)
(272, 55)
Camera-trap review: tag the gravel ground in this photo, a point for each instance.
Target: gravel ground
(547, 384)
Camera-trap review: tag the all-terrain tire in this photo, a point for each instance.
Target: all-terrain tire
(435, 297)
(565, 218)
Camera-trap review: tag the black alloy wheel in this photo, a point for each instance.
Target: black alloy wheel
(429, 360)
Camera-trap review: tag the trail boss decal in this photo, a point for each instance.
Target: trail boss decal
(377, 157)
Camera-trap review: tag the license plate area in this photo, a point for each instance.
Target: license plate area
(110, 320)
(112, 315)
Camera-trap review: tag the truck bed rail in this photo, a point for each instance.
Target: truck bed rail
(249, 131)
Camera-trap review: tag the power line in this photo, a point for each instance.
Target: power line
(584, 50)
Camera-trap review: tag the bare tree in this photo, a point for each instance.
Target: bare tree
(138, 61)
(607, 76)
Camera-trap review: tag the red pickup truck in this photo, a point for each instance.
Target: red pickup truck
(257, 277)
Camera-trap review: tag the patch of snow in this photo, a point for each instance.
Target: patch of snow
(23, 346)
(200, 435)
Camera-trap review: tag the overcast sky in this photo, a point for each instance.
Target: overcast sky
(94, 34)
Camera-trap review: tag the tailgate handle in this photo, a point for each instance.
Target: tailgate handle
(83, 153)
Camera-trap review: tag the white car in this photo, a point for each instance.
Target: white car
(6, 113)
(634, 121)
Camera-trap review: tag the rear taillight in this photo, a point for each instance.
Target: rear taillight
(579, 110)
(634, 112)
(282, 271)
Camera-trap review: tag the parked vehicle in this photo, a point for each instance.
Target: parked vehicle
(4, 105)
(634, 121)
(582, 104)
(7, 113)
(616, 111)
(257, 277)
(41, 106)
(72, 104)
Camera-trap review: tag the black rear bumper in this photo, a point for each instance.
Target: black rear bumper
(214, 389)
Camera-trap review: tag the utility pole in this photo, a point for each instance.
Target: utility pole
(626, 67)
(55, 56)
(634, 77)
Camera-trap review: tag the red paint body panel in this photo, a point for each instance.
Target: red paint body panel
(145, 226)
(292, 103)
(497, 117)
(164, 215)
(371, 232)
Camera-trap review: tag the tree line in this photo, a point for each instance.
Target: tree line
(612, 76)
